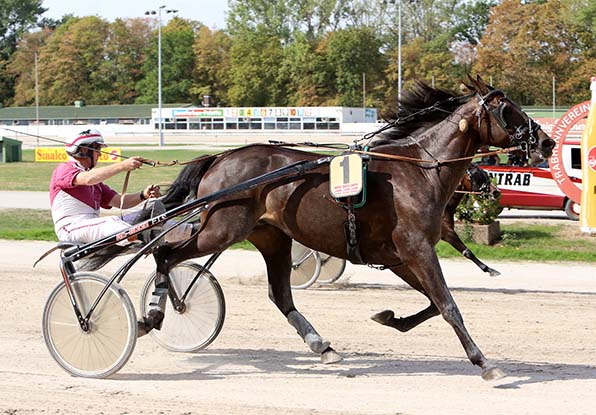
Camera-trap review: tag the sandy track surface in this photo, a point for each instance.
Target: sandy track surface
(536, 322)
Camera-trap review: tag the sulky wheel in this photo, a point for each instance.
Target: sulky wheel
(111, 337)
(572, 209)
(306, 266)
(201, 317)
(331, 268)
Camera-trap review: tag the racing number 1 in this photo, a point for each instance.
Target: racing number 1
(345, 163)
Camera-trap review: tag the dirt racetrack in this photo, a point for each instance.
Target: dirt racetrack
(536, 321)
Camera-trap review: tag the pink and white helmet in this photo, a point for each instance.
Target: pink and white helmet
(84, 139)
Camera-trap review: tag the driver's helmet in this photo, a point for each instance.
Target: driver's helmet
(84, 140)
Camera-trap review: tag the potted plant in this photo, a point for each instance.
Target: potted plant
(478, 213)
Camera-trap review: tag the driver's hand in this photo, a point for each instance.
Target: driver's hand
(132, 163)
(152, 191)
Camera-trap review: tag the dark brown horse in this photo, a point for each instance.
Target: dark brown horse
(475, 180)
(398, 227)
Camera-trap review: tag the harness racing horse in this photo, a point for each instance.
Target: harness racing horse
(409, 182)
(478, 181)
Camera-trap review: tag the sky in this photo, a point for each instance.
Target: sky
(209, 12)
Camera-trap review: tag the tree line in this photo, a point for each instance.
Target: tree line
(301, 52)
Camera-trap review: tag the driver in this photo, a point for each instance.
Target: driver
(77, 193)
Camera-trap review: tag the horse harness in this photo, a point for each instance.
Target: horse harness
(516, 134)
(351, 226)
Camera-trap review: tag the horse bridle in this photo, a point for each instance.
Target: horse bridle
(483, 189)
(516, 134)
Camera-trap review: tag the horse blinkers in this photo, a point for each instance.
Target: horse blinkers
(522, 130)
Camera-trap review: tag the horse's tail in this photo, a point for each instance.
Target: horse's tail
(186, 184)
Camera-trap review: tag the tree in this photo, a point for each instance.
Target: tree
(284, 18)
(470, 20)
(212, 65)
(177, 39)
(303, 66)
(350, 54)
(524, 46)
(254, 73)
(16, 17)
(86, 58)
(70, 62)
(120, 71)
(439, 40)
(21, 67)
(579, 16)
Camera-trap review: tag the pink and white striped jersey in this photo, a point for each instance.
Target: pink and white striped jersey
(71, 203)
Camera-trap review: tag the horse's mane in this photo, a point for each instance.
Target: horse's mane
(414, 111)
(186, 184)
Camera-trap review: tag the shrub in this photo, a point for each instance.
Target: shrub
(478, 208)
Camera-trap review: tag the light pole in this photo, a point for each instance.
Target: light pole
(159, 102)
(398, 45)
(399, 49)
(37, 99)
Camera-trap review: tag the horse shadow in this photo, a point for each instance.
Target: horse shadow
(225, 363)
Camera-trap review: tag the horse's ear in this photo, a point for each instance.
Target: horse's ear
(485, 87)
(478, 85)
(465, 88)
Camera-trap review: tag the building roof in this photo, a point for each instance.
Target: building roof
(83, 113)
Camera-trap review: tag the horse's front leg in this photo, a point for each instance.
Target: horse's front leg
(404, 324)
(422, 260)
(275, 247)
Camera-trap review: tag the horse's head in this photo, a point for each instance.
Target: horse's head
(478, 180)
(502, 123)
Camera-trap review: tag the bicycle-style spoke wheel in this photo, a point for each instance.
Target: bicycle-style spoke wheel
(200, 320)
(331, 268)
(306, 266)
(111, 338)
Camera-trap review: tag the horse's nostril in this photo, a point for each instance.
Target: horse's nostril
(549, 143)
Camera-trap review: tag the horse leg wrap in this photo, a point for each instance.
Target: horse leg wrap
(307, 332)
(158, 299)
(156, 313)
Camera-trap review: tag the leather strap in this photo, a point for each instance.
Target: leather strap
(124, 187)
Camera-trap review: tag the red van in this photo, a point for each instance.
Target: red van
(525, 187)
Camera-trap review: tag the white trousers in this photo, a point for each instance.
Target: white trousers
(91, 229)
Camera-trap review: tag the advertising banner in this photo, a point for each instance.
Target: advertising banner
(58, 155)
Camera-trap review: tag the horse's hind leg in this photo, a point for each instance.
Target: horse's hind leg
(449, 235)
(157, 303)
(470, 255)
(275, 247)
(423, 261)
(403, 324)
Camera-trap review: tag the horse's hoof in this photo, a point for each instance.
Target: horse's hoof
(493, 272)
(493, 373)
(331, 356)
(384, 317)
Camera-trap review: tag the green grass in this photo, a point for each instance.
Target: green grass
(26, 224)
(32, 176)
(533, 242)
(519, 242)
